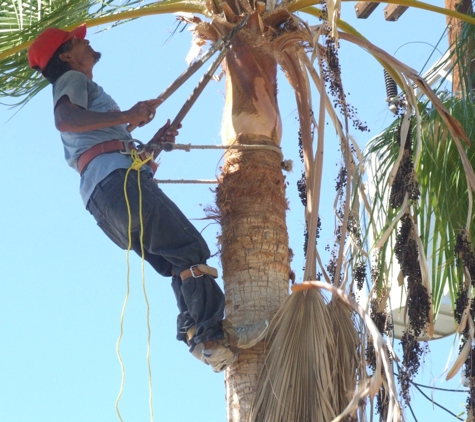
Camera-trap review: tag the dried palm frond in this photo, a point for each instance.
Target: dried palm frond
(348, 363)
(296, 382)
(366, 386)
(455, 128)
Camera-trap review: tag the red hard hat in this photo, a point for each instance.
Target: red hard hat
(45, 44)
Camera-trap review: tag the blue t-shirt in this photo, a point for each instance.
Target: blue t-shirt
(85, 93)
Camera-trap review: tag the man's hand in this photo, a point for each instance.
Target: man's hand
(166, 134)
(142, 113)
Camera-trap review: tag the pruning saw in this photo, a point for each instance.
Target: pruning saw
(222, 43)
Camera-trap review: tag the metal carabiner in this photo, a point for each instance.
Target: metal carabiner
(133, 144)
(139, 147)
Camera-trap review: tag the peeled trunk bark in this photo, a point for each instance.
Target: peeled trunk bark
(252, 204)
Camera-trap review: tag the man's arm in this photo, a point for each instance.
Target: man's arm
(69, 117)
(165, 134)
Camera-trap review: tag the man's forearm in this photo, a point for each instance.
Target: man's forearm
(74, 119)
(68, 117)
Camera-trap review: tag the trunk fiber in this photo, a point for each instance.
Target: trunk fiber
(255, 255)
(454, 27)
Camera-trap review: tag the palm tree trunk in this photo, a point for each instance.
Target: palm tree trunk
(252, 204)
(454, 27)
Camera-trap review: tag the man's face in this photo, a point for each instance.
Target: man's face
(81, 56)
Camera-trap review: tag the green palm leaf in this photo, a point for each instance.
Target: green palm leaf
(22, 21)
(444, 202)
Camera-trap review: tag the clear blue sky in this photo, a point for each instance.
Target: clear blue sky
(63, 282)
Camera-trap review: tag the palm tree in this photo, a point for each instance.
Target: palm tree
(251, 197)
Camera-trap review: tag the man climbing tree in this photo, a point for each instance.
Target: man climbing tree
(118, 190)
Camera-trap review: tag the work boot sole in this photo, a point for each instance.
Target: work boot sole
(218, 357)
(260, 328)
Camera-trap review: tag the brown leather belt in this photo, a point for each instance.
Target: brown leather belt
(104, 147)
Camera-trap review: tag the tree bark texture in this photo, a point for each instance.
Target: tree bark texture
(252, 204)
(454, 27)
(255, 257)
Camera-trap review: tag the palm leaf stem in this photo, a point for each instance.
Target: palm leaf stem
(298, 5)
(171, 6)
(159, 8)
(294, 74)
(346, 27)
(325, 104)
(424, 267)
(315, 183)
(454, 127)
(346, 214)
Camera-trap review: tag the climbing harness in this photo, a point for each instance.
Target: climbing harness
(116, 145)
(199, 270)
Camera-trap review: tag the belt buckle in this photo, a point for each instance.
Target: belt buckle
(129, 145)
(193, 273)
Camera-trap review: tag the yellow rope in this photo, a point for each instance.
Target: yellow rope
(117, 348)
(137, 163)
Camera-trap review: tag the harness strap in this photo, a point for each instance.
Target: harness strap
(198, 271)
(190, 334)
(109, 146)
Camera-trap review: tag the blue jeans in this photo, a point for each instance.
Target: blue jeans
(171, 245)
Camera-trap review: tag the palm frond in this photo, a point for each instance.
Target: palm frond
(21, 22)
(297, 5)
(345, 344)
(296, 382)
(350, 364)
(444, 204)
